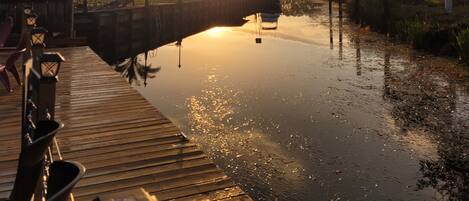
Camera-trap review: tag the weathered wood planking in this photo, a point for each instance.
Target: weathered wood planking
(124, 142)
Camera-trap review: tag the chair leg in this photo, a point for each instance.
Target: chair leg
(5, 80)
(13, 71)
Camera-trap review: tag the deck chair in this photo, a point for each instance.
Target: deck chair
(4, 78)
(63, 175)
(31, 161)
(5, 30)
(23, 41)
(11, 67)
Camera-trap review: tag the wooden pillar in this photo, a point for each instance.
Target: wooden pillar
(357, 15)
(449, 6)
(70, 16)
(85, 6)
(386, 16)
(340, 8)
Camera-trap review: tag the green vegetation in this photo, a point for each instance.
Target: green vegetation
(463, 44)
(423, 23)
(412, 31)
(299, 7)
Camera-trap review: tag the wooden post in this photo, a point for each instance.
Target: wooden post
(357, 12)
(340, 8)
(71, 17)
(85, 6)
(386, 16)
(449, 6)
(330, 7)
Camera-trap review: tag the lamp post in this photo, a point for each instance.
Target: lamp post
(28, 22)
(38, 35)
(39, 78)
(48, 65)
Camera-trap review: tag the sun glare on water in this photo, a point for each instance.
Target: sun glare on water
(217, 31)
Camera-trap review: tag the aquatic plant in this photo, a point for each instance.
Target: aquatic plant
(463, 44)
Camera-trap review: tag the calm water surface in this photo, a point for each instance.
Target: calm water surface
(299, 118)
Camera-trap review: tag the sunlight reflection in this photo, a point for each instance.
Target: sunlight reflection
(235, 142)
(217, 31)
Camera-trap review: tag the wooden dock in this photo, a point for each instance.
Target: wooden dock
(124, 142)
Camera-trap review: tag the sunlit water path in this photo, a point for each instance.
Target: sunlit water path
(298, 118)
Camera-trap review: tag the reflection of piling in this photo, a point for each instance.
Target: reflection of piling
(179, 44)
(386, 16)
(358, 55)
(340, 8)
(331, 32)
(340, 29)
(357, 12)
(387, 72)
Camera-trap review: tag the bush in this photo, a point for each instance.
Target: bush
(413, 31)
(463, 44)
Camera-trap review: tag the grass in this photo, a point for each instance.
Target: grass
(463, 44)
(412, 31)
(423, 23)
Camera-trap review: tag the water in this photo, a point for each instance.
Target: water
(297, 117)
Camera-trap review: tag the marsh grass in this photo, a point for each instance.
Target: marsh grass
(413, 31)
(423, 23)
(463, 44)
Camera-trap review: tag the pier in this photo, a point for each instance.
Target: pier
(123, 141)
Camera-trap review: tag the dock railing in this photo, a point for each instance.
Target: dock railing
(38, 127)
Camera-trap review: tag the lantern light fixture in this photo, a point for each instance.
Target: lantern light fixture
(31, 19)
(38, 35)
(27, 10)
(50, 64)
